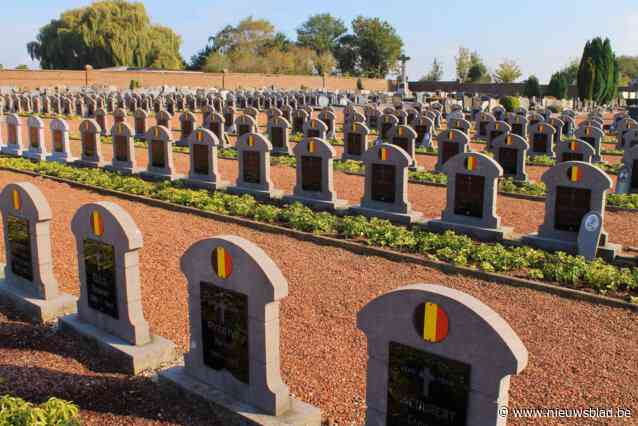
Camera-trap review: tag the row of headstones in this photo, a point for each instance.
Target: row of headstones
(419, 336)
(573, 187)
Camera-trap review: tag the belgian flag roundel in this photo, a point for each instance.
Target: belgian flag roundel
(431, 322)
(222, 262)
(574, 173)
(97, 224)
(470, 163)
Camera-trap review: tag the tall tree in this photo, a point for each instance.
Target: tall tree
(321, 32)
(557, 86)
(599, 64)
(507, 72)
(570, 72)
(107, 33)
(435, 73)
(378, 45)
(586, 77)
(532, 87)
(463, 63)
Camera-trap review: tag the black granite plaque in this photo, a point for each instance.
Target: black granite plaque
(508, 159)
(426, 389)
(401, 142)
(121, 147)
(634, 176)
(570, 207)
(200, 159)
(229, 118)
(34, 137)
(101, 121)
(187, 128)
(216, 128)
(119, 119)
(468, 199)
(277, 136)
(383, 183)
(539, 142)
(20, 247)
(140, 126)
(517, 129)
(420, 132)
(58, 141)
(252, 167)
(354, 144)
(571, 156)
(225, 330)
(311, 173)
(158, 154)
(163, 122)
(313, 133)
(591, 141)
(495, 134)
(243, 129)
(449, 150)
(297, 125)
(483, 128)
(88, 144)
(99, 263)
(385, 128)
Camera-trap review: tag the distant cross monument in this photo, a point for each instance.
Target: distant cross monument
(403, 85)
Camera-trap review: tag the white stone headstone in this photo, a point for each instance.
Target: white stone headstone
(589, 235)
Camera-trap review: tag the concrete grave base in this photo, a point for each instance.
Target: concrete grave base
(334, 205)
(300, 414)
(281, 151)
(131, 359)
(204, 184)
(477, 232)
(38, 310)
(11, 150)
(61, 158)
(89, 164)
(157, 176)
(129, 171)
(607, 251)
(396, 217)
(34, 155)
(260, 195)
(182, 143)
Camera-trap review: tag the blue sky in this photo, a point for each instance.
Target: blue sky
(540, 35)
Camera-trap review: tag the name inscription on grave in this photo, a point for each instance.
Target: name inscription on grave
(426, 389)
(99, 263)
(20, 247)
(225, 330)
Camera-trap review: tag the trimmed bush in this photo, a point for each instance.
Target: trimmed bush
(55, 412)
(510, 103)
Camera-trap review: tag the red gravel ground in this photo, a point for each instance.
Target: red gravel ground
(581, 355)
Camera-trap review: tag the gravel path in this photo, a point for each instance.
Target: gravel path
(581, 355)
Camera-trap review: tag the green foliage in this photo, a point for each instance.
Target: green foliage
(541, 160)
(573, 271)
(359, 84)
(532, 87)
(134, 84)
(507, 72)
(435, 73)
(599, 73)
(627, 69)
(105, 34)
(478, 74)
(320, 33)
(22, 67)
(570, 72)
(54, 412)
(510, 103)
(557, 86)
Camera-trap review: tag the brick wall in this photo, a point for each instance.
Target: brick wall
(31, 79)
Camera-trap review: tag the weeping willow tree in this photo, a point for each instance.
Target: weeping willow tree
(106, 34)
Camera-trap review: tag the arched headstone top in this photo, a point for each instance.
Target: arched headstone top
(203, 136)
(108, 223)
(589, 131)
(474, 163)
(236, 264)
(279, 121)
(578, 145)
(316, 124)
(24, 199)
(470, 324)
(254, 142)
(453, 135)
(187, 116)
(122, 129)
(315, 147)
(402, 131)
(245, 120)
(13, 119)
(541, 127)
(573, 173)
(511, 140)
(59, 124)
(140, 113)
(89, 125)
(388, 154)
(35, 121)
(159, 133)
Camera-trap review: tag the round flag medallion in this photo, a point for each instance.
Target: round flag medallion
(222, 262)
(431, 322)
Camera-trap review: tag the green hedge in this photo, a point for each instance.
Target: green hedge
(55, 412)
(568, 270)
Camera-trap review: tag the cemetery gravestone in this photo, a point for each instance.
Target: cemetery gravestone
(450, 143)
(482, 121)
(188, 122)
(254, 168)
(459, 124)
(627, 182)
(386, 185)
(14, 135)
(574, 150)
(471, 198)
(328, 117)
(123, 149)
(589, 235)
(299, 118)
(519, 124)
(29, 282)
(140, 118)
(541, 136)
(314, 128)
(574, 188)
(558, 125)
(510, 151)
(160, 155)
(385, 123)
(110, 307)
(245, 124)
(621, 129)
(630, 138)
(594, 137)
(61, 146)
(424, 128)
(437, 356)
(404, 137)
(234, 293)
(494, 129)
(100, 117)
(314, 180)
(163, 118)
(204, 169)
(37, 149)
(355, 137)
(91, 144)
(215, 124)
(279, 134)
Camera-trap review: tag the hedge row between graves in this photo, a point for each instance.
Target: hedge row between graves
(564, 269)
(54, 412)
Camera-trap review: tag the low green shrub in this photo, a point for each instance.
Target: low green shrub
(510, 103)
(54, 412)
